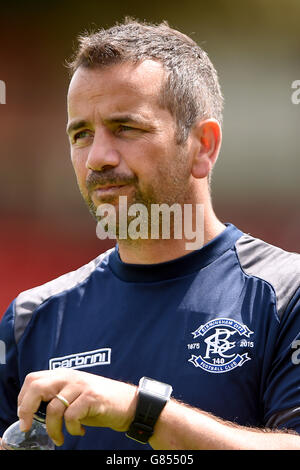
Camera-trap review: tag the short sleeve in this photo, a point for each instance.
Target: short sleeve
(281, 398)
(9, 381)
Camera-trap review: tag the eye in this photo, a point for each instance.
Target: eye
(81, 135)
(128, 130)
(123, 128)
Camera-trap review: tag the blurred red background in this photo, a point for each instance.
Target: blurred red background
(45, 227)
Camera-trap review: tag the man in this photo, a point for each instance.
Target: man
(217, 324)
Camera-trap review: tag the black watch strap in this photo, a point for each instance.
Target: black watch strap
(149, 407)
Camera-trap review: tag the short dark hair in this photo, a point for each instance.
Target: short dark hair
(191, 90)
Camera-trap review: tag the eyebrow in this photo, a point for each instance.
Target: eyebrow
(79, 124)
(75, 125)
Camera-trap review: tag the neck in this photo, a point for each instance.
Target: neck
(150, 251)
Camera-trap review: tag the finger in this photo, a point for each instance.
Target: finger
(39, 386)
(53, 381)
(77, 411)
(31, 401)
(29, 379)
(28, 406)
(55, 414)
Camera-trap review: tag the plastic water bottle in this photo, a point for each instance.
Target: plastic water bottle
(34, 439)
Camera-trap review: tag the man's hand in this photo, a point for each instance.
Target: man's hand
(99, 401)
(94, 401)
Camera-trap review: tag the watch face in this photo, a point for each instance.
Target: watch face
(158, 388)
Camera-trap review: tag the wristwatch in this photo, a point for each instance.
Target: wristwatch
(152, 397)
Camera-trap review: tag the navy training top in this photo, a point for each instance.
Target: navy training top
(221, 325)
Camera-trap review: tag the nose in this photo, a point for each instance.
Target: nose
(103, 153)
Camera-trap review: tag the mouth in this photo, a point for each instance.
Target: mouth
(109, 190)
(108, 187)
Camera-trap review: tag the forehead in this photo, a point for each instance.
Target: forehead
(116, 86)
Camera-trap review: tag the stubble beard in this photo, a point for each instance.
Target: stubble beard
(171, 187)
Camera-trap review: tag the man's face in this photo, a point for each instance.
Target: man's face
(122, 142)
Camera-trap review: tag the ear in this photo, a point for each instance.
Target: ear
(208, 137)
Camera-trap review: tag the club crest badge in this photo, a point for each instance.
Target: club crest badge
(221, 343)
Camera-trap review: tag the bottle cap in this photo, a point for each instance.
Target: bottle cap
(40, 414)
